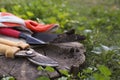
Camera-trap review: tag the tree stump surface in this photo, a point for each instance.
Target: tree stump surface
(68, 55)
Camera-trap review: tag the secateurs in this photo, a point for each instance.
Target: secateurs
(20, 49)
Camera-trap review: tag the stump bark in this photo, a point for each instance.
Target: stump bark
(69, 56)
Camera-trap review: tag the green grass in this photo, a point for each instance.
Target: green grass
(100, 17)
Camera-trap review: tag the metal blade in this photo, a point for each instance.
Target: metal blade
(47, 37)
(40, 59)
(31, 40)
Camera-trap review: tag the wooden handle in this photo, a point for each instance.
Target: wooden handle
(15, 44)
(8, 51)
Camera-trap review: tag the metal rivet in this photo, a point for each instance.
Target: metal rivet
(29, 52)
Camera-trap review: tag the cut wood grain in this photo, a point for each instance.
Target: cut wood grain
(68, 55)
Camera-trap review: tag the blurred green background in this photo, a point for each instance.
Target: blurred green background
(98, 20)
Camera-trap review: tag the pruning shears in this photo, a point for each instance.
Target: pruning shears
(20, 49)
(17, 34)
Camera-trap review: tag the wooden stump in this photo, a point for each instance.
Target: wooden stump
(19, 68)
(69, 56)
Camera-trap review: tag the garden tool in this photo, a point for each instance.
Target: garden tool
(11, 49)
(68, 36)
(47, 37)
(17, 34)
(10, 20)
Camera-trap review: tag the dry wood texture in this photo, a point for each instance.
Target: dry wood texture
(69, 56)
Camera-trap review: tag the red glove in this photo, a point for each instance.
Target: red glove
(34, 26)
(10, 20)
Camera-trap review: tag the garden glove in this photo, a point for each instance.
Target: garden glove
(10, 20)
